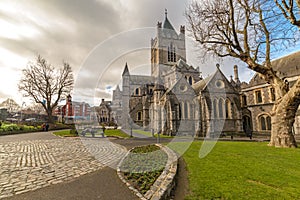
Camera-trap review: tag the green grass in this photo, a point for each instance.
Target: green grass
(243, 170)
(65, 133)
(149, 134)
(143, 166)
(116, 133)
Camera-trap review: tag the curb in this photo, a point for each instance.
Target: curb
(162, 187)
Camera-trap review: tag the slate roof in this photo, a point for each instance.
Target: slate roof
(287, 66)
(167, 24)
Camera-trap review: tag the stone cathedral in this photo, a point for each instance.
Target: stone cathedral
(176, 100)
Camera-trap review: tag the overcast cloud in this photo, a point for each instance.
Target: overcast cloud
(92, 35)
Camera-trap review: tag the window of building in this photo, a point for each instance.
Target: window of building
(221, 113)
(265, 122)
(258, 96)
(190, 80)
(137, 91)
(227, 109)
(186, 110)
(139, 116)
(244, 100)
(171, 53)
(150, 91)
(272, 94)
(215, 108)
(269, 125)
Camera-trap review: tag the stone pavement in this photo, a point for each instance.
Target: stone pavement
(32, 164)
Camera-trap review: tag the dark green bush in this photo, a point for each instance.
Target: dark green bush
(74, 131)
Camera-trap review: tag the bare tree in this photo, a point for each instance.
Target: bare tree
(250, 30)
(290, 10)
(46, 84)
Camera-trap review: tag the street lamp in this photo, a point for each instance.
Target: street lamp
(130, 124)
(22, 110)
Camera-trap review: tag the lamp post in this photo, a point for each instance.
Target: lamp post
(130, 124)
(22, 110)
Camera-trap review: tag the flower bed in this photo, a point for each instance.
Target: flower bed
(142, 166)
(15, 128)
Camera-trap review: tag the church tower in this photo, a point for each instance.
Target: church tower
(167, 47)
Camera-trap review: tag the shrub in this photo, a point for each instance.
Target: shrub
(74, 131)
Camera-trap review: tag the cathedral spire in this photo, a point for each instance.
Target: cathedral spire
(126, 71)
(167, 24)
(166, 13)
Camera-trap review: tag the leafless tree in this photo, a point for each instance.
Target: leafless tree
(250, 30)
(45, 84)
(290, 10)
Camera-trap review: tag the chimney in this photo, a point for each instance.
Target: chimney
(236, 74)
(182, 29)
(159, 24)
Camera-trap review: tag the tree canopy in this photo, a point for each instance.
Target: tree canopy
(45, 84)
(253, 31)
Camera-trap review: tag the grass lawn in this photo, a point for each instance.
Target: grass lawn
(149, 134)
(116, 132)
(65, 133)
(243, 170)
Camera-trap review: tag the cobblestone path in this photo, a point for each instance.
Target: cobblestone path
(30, 165)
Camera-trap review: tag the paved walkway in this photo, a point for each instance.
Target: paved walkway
(36, 160)
(134, 134)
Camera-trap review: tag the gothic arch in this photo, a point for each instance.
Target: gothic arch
(190, 80)
(221, 108)
(215, 108)
(264, 122)
(228, 113)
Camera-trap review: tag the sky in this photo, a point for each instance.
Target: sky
(97, 38)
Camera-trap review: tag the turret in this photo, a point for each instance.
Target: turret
(236, 74)
(126, 71)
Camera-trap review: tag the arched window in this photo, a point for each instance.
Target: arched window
(137, 91)
(265, 122)
(186, 114)
(269, 125)
(244, 100)
(171, 53)
(227, 109)
(182, 110)
(221, 113)
(272, 94)
(215, 108)
(262, 123)
(190, 80)
(139, 116)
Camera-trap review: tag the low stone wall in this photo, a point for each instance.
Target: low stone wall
(162, 187)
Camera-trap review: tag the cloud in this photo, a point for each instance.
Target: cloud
(78, 32)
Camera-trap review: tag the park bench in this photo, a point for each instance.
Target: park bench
(93, 131)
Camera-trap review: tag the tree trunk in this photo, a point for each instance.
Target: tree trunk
(282, 126)
(49, 115)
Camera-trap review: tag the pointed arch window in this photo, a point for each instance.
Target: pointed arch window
(269, 126)
(215, 108)
(227, 108)
(171, 53)
(190, 80)
(186, 113)
(221, 113)
(265, 122)
(139, 116)
(272, 93)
